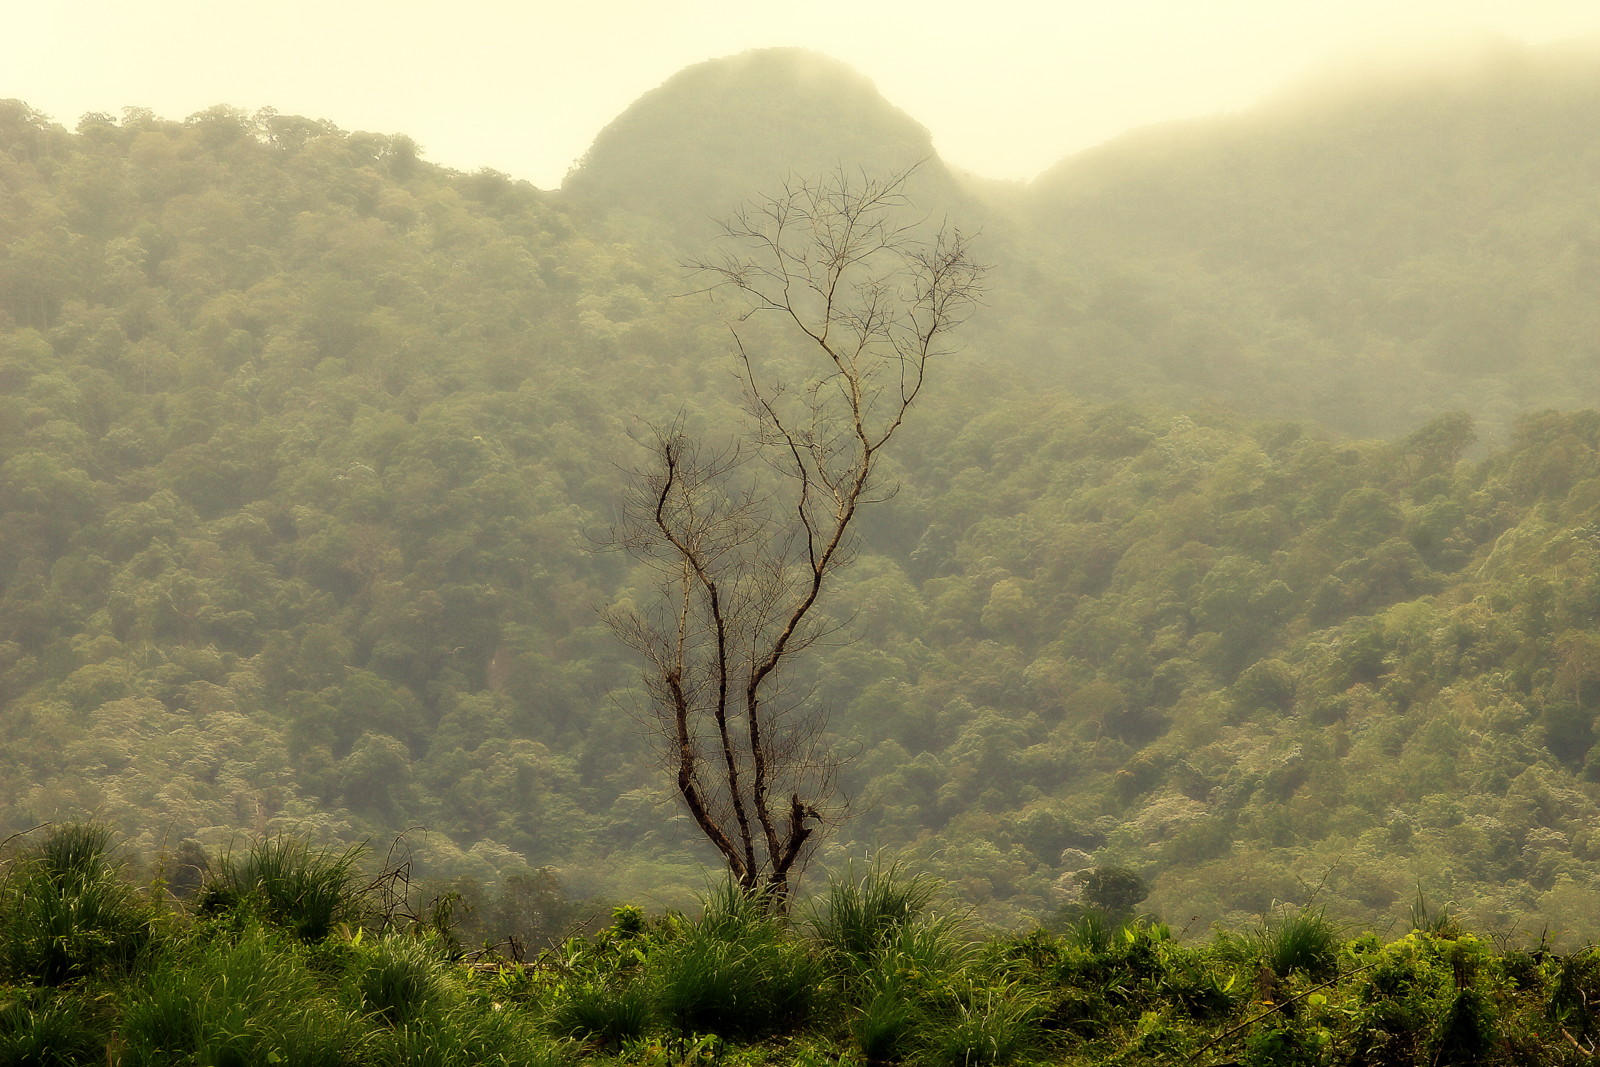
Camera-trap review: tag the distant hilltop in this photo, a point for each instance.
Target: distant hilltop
(721, 131)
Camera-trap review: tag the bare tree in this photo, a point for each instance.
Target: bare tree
(746, 534)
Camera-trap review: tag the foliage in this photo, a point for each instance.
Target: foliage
(400, 980)
(610, 1012)
(247, 1000)
(862, 916)
(1113, 891)
(38, 1027)
(738, 984)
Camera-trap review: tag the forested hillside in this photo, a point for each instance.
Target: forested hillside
(1362, 254)
(308, 448)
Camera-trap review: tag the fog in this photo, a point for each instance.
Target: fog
(524, 88)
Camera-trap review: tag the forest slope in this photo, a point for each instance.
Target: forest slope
(305, 443)
(1365, 253)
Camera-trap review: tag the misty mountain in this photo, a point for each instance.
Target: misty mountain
(1367, 253)
(306, 446)
(721, 132)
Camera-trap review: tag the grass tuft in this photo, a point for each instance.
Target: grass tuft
(735, 972)
(67, 912)
(860, 916)
(1304, 941)
(400, 980)
(251, 1000)
(286, 882)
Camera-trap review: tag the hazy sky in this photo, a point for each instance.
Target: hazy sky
(1007, 88)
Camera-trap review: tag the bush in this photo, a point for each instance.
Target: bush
(1467, 1032)
(67, 912)
(1574, 992)
(286, 882)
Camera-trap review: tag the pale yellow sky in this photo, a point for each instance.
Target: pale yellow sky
(1007, 88)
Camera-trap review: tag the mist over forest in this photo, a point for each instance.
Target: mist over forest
(1248, 543)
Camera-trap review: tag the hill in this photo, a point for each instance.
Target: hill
(305, 445)
(721, 132)
(1366, 254)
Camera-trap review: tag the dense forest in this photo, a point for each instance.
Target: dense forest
(1249, 545)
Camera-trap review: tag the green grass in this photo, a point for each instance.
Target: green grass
(400, 979)
(988, 1026)
(1303, 941)
(881, 978)
(735, 971)
(861, 914)
(46, 1028)
(287, 882)
(608, 1013)
(250, 999)
(67, 912)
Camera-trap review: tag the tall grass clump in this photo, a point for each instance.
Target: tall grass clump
(736, 971)
(286, 882)
(889, 1018)
(1305, 941)
(44, 1028)
(471, 1035)
(1092, 931)
(243, 1000)
(400, 980)
(609, 1013)
(987, 1027)
(897, 964)
(67, 911)
(860, 916)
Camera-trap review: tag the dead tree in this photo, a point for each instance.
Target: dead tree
(746, 534)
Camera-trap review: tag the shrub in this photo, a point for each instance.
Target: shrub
(1467, 1031)
(1574, 992)
(66, 910)
(1287, 1047)
(286, 882)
